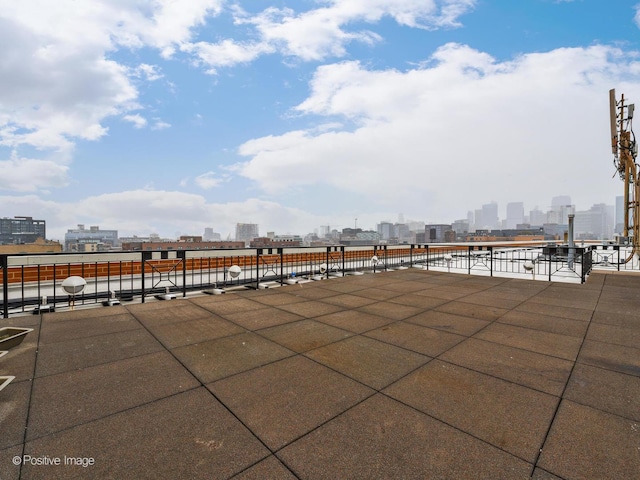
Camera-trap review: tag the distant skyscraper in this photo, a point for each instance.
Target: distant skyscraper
(478, 224)
(490, 215)
(537, 217)
(595, 223)
(245, 232)
(386, 230)
(561, 207)
(619, 226)
(515, 214)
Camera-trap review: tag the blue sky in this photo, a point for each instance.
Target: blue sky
(171, 116)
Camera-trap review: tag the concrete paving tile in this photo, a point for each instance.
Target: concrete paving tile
(313, 292)
(561, 346)
(348, 301)
(82, 312)
(419, 301)
(616, 307)
(537, 307)
(403, 287)
(8, 469)
(219, 358)
(546, 323)
(611, 357)
(284, 400)
(395, 311)
(174, 311)
(625, 336)
(268, 469)
(277, 297)
(340, 285)
(378, 294)
(605, 390)
(369, 361)
(533, 370)
(72, 398)
(540, 474)
(381, 438)
(237, 304)
(262, 318)
(189, 435)
(86, 327)
(567, 300)
(14, 404)
(618, 319)
(471, 310)
(448, 322)
(490, 299)
(587, 443)
(304, 335)
(192, 331)
(622, 279)
(311, 308)
(508, 416)
(481, 280)
(354, 320)
(89, 351)
(446, 292)
(428, 341)
(20, 361)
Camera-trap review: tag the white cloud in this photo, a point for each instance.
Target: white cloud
(160, 124)
(137, 120)
(461, 125)
(637, 16)
(140, 211)
(59, 84)
(148, 72)
(30, 175)
(323, 32)
(208, 180)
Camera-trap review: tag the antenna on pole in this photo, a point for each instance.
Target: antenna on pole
(624, 149)
(613, 119)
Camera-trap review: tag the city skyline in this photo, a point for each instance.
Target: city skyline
(554, 214)
(166, 117)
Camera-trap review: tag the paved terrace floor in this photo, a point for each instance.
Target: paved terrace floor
(407, 374)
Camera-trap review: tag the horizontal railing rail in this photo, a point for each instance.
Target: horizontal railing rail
(32, 283)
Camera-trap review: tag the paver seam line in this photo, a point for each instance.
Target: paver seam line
(33, 376)
(379, 391)
(614, 344)
(434, 308)
(261, 460)
(564, 390)
(112, 414)
(214, 395)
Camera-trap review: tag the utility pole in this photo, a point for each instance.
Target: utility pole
(625, 150)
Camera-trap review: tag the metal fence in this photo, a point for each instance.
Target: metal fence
(32, 283)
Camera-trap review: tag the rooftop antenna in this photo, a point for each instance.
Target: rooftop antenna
(625, 150)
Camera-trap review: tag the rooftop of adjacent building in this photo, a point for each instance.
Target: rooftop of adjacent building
(405, 374)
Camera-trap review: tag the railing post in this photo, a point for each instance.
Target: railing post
(490, 260)
(258, 252)
(469, 259)
(549, 263)
(427, 263)
(143, 257)
(4, 264)
(182, 255)
(281, 266)
(326, 262)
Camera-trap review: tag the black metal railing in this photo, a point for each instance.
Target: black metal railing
(31, 282)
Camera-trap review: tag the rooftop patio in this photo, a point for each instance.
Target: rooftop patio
(402, 374)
